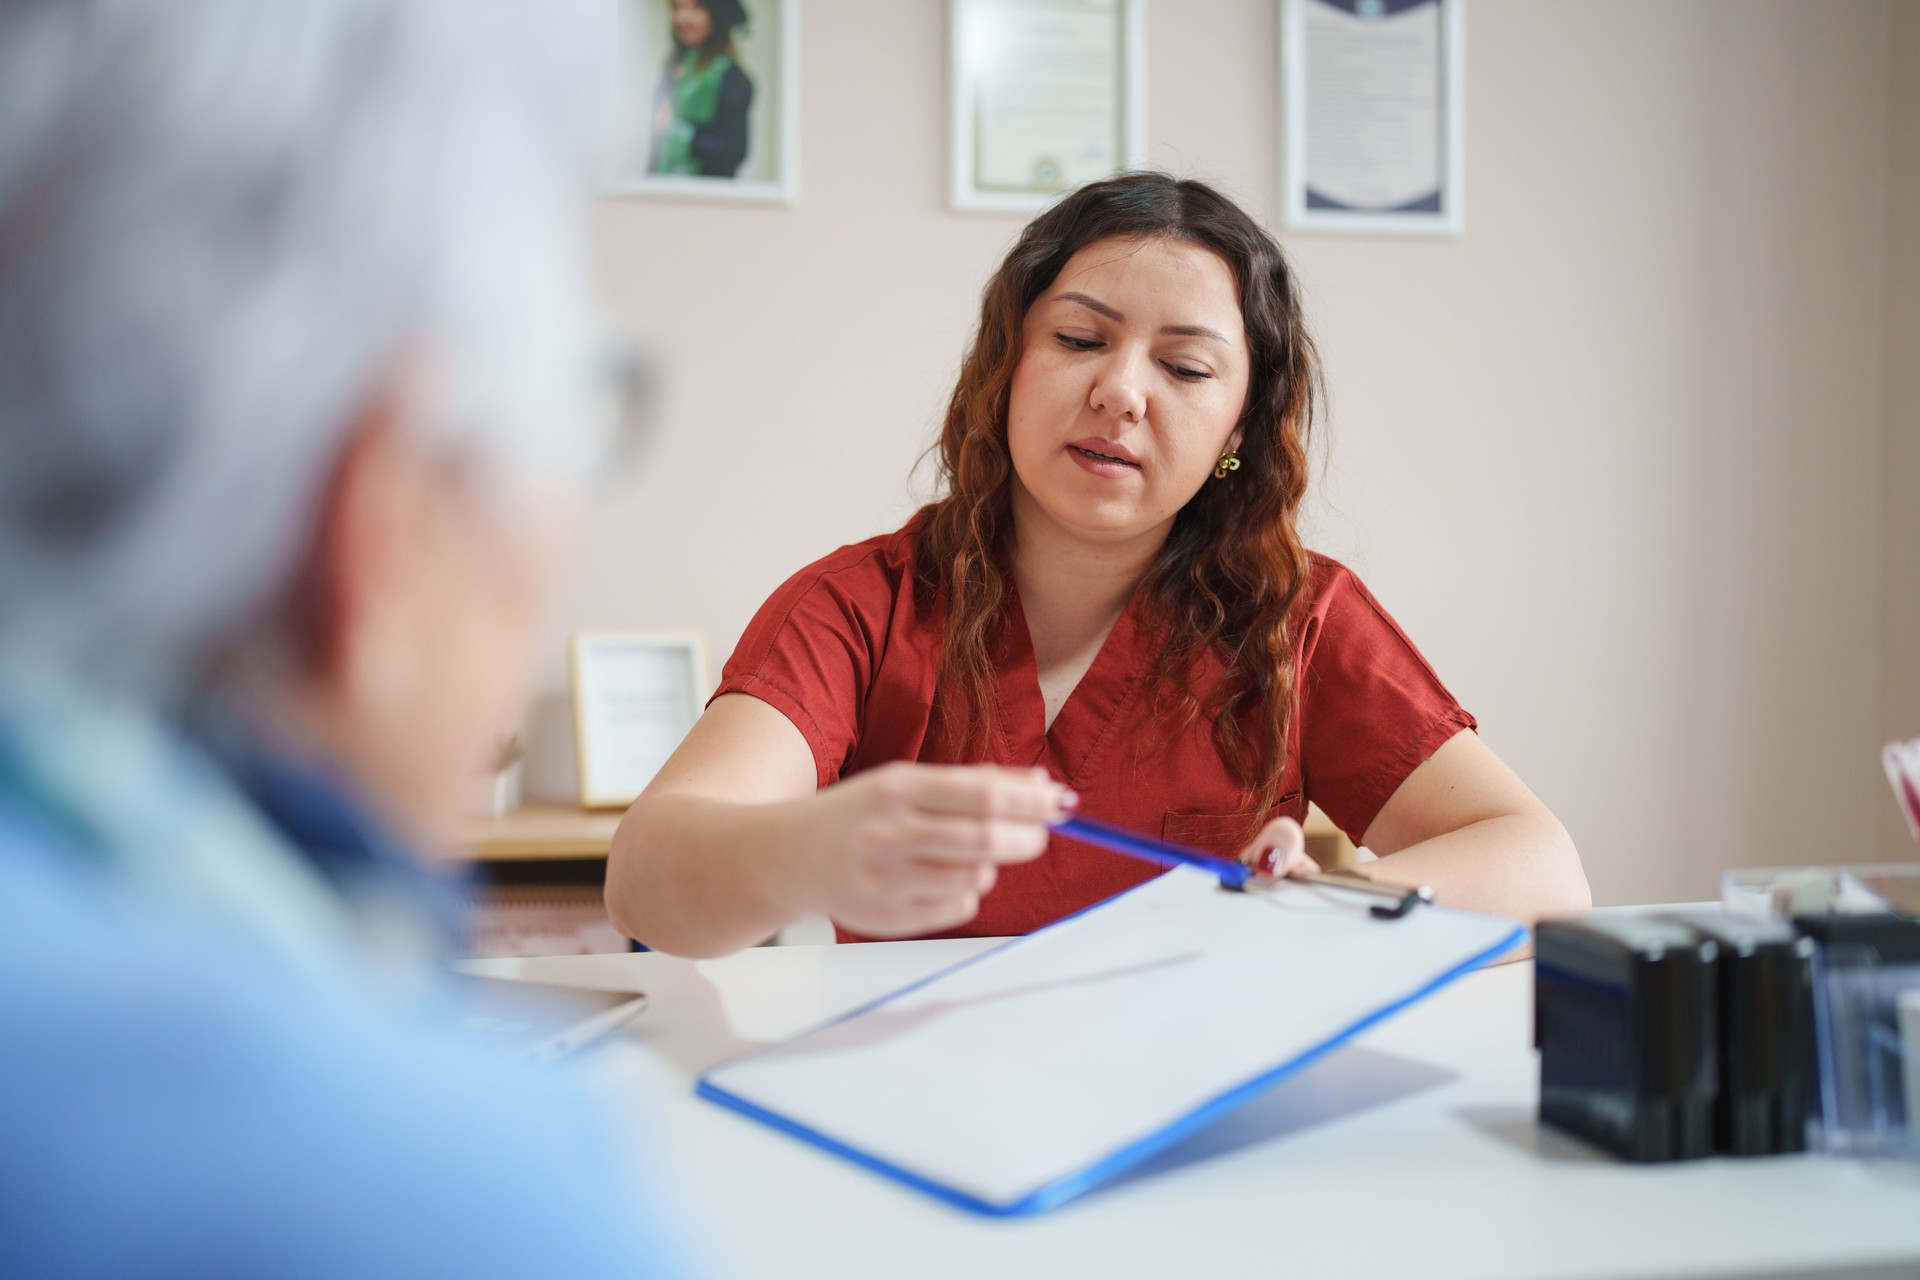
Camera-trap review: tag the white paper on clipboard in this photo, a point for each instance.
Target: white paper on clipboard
(1030, 1074)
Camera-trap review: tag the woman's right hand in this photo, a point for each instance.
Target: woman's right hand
(908, 849)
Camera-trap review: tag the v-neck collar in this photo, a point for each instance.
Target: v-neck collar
(1089, 719)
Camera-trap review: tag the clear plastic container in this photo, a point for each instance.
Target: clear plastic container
(1769, 893)
(1909, 1003)
(1866, 995)
(1867, 1031)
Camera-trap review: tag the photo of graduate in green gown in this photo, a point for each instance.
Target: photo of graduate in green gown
(700, 121)
(704, 100)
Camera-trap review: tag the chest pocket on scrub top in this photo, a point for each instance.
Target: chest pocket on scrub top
(1226, 834)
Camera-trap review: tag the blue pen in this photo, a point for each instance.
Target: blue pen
(1236, 875)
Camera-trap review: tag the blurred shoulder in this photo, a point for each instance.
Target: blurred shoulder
(176, 1100)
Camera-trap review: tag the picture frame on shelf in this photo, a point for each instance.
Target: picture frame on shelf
(636, 694)
(1045, 96)
(704, 100)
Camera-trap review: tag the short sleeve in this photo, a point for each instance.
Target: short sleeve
(812, 650)
(1371, 708)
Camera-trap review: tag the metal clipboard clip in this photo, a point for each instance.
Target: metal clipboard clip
(1238, 877)
(1392, 900)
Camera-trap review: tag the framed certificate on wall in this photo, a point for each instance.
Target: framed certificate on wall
(1047, 95)
(636, 694)
(1372, 122)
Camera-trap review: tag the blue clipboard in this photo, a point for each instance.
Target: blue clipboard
(1039, 1070)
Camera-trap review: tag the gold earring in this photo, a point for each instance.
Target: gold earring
(1229, 461)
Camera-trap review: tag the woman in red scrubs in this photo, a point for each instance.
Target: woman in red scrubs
(1110, 611)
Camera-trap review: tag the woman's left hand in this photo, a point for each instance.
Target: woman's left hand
(1279, 850)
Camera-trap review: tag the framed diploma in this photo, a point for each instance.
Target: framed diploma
(1371, 115)
(705, 99)
(635, 696)
(1047, 95)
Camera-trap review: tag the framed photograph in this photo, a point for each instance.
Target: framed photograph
(1047, 95)
(705, 98)
(636, 694)
(1372, 115)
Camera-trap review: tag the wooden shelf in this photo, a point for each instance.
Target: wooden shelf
(542, 830)
(1326, 844)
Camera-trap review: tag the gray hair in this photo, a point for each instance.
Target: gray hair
(220, 221)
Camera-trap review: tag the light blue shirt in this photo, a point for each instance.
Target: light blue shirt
(183, 1094)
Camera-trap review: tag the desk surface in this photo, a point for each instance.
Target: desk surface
(1414, 1152)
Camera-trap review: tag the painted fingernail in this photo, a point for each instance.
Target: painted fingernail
(1270, 862)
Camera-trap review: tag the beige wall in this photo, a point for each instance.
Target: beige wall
(1900, 564)
(1614, 457)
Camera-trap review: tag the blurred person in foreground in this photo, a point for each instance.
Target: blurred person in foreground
(298, 392)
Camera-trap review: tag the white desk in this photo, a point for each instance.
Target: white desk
(1412, 1153)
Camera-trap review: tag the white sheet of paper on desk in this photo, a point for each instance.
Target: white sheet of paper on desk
(1021, 1078)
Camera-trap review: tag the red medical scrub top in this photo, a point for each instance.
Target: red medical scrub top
(842, 650)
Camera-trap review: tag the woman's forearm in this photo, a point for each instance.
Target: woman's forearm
(899, 851)
(1521, 866)
(694, 876)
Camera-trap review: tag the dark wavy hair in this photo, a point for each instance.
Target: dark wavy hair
(727, 16)
(1233, 566)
